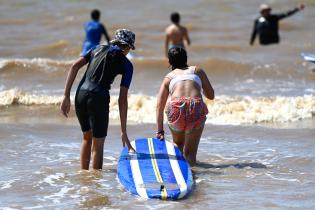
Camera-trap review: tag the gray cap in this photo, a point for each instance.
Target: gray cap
(263, 7)
(124, 36)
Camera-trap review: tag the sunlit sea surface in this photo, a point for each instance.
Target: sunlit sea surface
(257, 149)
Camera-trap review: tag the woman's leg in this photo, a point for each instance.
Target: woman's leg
(191, 145)
(179, 139)
(86, 149)
(97, 152)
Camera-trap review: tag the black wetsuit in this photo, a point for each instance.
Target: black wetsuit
(92, 96)
(267, 28)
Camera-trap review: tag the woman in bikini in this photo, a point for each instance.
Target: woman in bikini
(186, 112)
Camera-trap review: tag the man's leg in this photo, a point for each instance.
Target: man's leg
(86, 150)
(97, 152)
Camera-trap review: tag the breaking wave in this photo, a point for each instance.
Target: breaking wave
(222, 110)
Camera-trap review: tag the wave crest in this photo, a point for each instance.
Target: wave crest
(39, 64)
(222, 110)
(18, 97)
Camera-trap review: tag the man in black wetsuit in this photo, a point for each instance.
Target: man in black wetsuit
(267, 25)
(92, 97)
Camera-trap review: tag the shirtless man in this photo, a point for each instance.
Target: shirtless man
(175, 34)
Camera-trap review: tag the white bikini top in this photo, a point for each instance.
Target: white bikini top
(188, 74)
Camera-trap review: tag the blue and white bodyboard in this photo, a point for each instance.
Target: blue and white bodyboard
(308, 57)
(157, 170)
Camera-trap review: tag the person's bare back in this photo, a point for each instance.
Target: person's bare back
(175, 34)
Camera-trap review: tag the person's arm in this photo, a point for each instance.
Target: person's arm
(161, 102)
(123, 112)
(186, 37)
(167, 41)
(123, 62)
(290, 12)
(253, 36)
(206, 85)
(106, 34)
(65, 104)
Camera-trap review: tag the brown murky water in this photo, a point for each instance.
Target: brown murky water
(257, 148)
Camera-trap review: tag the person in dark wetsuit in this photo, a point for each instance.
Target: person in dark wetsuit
(267, 25)
(93, 32)
(92, 98)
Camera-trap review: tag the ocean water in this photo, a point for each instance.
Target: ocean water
(256, 151)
